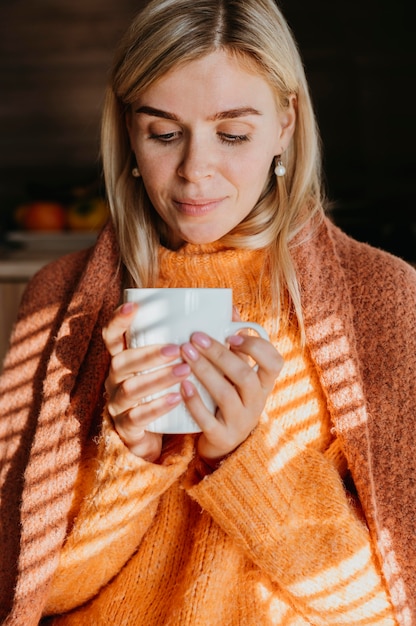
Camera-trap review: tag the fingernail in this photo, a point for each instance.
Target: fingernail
(182, 369)
(190, 351)
(173, 398)
(127, 308)
(235, 340)
(170, 350)
(187, 388)
(201, 339)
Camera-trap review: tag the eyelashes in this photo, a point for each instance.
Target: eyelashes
(233, 139)
(225, 138)
(165, 137)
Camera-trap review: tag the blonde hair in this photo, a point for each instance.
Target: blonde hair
(167, 33)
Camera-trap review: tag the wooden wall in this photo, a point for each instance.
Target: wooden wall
(359, 57)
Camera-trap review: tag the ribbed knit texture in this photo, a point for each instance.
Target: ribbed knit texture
(271, 537)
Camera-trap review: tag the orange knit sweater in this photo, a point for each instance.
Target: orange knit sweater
(271, 537)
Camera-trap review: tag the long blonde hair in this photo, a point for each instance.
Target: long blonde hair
(171, 32)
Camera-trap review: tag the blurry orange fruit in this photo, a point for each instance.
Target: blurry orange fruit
(88, 214)
(41, 215)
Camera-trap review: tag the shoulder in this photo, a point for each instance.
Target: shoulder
(91, 273)
(55, 281)
(372, 273)
(64, 267)
(329, 262)
(382, 291)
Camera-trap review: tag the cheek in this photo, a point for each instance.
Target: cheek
(252, 171)
(155, 174)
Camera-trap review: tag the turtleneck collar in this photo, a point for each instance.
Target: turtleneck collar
(209, 265)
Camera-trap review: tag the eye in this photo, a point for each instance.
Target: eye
(229, 139)
(165, 137)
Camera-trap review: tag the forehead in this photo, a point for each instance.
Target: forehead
(219, 78)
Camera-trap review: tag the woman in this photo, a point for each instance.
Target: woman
(295, 504)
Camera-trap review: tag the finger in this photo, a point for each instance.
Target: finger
(217, 439)
(132, 390)
(114, 332)
(149, 447)
(202, 416)
(245, 379)
(131, 361)
(217, 371)
(131, 424)
(265, 355)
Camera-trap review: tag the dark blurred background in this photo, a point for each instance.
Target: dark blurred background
(359, 58)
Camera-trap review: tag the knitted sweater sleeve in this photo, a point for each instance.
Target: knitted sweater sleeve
(122, 495)
(288, 511)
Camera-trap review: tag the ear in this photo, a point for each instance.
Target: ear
(287, 118)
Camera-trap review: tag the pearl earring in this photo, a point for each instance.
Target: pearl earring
(135, 172)
(280, 169)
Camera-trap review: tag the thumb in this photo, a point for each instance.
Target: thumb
(114, 332)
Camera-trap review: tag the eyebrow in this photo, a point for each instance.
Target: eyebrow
(222, 115)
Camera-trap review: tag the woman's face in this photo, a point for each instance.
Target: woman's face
(205, 136)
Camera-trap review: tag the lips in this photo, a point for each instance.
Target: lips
(197, 207)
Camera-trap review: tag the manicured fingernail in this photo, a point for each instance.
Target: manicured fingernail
(201, 339)
(190, 351)
(182, 369)
(170, 350)
(187, 388)
(235, 340)
(127, 308)
(173, 398)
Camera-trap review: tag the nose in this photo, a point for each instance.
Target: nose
(197, 161)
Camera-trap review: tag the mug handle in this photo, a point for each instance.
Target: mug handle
(234, 326)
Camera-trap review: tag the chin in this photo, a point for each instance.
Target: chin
(202, 238)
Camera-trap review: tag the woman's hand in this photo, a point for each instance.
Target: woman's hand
(239, 391)
(130, 383)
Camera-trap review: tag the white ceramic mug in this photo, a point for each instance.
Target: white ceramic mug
(170, 316)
